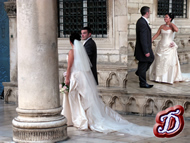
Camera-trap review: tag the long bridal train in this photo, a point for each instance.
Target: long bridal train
(85, 109)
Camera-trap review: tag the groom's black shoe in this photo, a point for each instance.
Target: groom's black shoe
(146, 86)
(136, 73)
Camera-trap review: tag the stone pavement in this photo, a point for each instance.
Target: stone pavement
(8, 112)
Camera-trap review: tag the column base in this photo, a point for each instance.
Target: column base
(34, 132)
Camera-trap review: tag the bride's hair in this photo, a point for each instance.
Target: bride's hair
(171, 15)
(74, 36)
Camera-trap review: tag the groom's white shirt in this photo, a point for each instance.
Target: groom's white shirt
(86, 40)
(146, 20)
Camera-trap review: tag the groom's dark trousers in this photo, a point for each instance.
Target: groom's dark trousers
(142, 47)
(141, 72)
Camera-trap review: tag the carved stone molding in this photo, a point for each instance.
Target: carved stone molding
(110, 78)
(150, 107)
(10, 7)
(37, 129)
(39, 135)
(8, 93)
(109, 75)
(168, 103)
(142, 104)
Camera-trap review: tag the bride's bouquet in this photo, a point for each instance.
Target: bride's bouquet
(63, 87)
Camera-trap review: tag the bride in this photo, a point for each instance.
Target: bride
(83, 107)
(166, 67)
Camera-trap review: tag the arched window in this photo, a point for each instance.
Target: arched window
(177, 7)
(75, 14)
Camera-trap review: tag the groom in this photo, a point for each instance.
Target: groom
(91, 49)
(143, 48)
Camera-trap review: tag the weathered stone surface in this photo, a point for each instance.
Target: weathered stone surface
(120, 7)
(13, 48)
(132, 26)
(123, 50)
(10, 92)
(135, 1)
(114, 58)
(133, 8)
(147, 4)
(63, 57)
(123, 39)
(122, 23)
(102, 58)
(48, 134)
(184, 30)
(132, 31)
(134, 18)
(10, 7)
(124, 59)
(147, 1)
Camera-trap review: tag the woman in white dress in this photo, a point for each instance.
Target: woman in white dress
(84, 108)
(166, 67)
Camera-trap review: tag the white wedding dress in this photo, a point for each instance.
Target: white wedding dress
(84, 108)
(166, 67)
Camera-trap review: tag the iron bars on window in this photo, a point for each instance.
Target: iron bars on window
(75, 14)
(177, 7)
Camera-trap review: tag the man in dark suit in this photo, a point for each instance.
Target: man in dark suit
(91, 49)
(143, 48)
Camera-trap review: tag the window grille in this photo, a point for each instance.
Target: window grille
(75, 14)
(177, 7)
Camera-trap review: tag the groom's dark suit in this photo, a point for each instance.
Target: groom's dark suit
(143, 46)
(91, 50)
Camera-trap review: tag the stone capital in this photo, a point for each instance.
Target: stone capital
(10, 8)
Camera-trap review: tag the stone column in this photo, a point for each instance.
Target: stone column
(10, 7)
(39, 109)
(11, 88)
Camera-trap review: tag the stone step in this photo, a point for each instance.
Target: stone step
(143, 103)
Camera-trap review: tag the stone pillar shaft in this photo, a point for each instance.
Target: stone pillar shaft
(10, 7)
(37, 54)
(39, 107)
